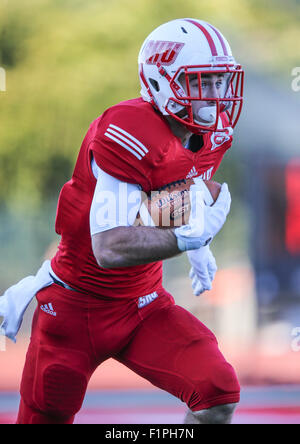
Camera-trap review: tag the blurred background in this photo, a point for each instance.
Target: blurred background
(62, 63)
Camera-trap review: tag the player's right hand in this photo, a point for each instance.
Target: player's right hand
(203, 269)
(205, 221)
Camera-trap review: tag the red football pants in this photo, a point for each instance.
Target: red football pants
(161, 342)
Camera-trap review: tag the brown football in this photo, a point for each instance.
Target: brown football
(170, 206)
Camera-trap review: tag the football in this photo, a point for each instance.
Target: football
(170, 206)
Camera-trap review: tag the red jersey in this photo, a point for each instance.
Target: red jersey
(133, 143)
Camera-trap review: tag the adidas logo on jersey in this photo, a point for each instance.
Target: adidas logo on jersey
(48, 308)
(207, 174)
(192, 173)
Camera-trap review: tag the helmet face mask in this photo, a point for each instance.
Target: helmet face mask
(202, 110)
(187, 71)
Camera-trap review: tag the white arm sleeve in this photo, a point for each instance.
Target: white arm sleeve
(114, 204)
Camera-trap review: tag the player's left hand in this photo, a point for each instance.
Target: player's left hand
(203, 269)
(204, 221)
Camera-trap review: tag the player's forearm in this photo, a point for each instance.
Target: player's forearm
(129, 246)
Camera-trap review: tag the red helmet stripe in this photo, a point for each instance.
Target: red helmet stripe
(221, 39)
(207, 35)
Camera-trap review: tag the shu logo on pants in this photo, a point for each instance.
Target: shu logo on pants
(145, 300)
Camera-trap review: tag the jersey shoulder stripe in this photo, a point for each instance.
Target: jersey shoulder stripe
(130, 136)
(126, 140)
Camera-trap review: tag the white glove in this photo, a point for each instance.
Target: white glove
(203, 269)
(205, 221)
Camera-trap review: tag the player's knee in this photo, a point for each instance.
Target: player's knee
(63, 390)
(56, 398)
(221, 383)
(58, 393)
(53, 391)
(29, 414)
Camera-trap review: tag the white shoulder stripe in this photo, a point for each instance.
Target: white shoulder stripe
(125, 139)
(123, 145)
(130, 137)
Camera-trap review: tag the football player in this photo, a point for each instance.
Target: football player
(105, 298)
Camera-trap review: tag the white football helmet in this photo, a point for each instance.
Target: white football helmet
(183, 49)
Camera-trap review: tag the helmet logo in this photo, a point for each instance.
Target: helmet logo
(159, 51)
(217, 138)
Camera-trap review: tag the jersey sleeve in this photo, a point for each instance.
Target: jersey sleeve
(114, 204)
(122, 148)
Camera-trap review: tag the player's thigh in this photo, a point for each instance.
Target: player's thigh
(59, 361)
(178, 353)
